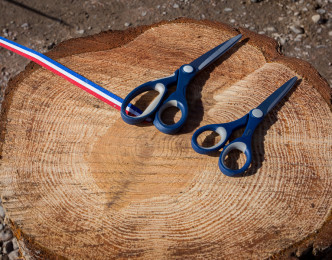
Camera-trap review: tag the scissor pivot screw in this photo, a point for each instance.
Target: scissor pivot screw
(188, 69)
(257, 113)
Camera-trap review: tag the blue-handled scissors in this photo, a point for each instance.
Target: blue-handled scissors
(243, 143)
(182, 78)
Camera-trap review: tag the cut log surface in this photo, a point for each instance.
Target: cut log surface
(77, 182)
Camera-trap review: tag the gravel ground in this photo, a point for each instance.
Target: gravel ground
(302, 28)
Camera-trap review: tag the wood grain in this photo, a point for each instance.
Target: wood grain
(77, 182)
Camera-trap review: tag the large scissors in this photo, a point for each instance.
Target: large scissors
(243, 143)
(182, 78)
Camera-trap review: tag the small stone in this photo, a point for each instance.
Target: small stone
(5, 32)
(304, 9)
(315, 18)
(275, 35)
(227, 9)
(261, 32)
(14, 255)
(298, 37)
(25, 26)
(330, 33)
(80, 31)
(232, 21)
(321, 11)
(270, 29)
(127, 24)
(2, 212)
(282, 41)
(6, 235)
(203, 16)
(8, 247)
(321, 46)
(296, 29)
(255, 1)
(296, 13)
(176, 6)
(15, 244)
(144, 13)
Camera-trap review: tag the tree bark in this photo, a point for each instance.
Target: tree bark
(79, 183)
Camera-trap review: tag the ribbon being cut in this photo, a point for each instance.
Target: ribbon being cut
(73, 77)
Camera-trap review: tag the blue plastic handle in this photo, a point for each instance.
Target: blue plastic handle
(159, 85)
(220, 129)
(242, 144)
(224, 130)
(176, 99)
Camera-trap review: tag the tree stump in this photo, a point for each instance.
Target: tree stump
(79, 183)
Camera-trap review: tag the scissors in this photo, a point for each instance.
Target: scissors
(182, 78)
(243, 143)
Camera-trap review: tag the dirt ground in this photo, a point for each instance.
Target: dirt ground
(302, 28)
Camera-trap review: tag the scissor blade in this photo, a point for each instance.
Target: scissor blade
(210, 56)
(276, 96)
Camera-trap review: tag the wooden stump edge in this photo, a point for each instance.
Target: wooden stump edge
(318, 242)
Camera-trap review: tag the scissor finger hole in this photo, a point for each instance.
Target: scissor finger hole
(234, 156)
(235, 159)
(146, 100)
(208, 139)
(171, 115)
(143, 100)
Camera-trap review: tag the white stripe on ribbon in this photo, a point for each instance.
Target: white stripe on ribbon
(67, 73)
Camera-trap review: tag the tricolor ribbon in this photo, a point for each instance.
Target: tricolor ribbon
(78, 80)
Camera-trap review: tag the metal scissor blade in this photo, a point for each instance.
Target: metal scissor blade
(276, 96)
(210, 56)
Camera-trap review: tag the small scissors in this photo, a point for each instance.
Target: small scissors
(182, 78)
(243, 143)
